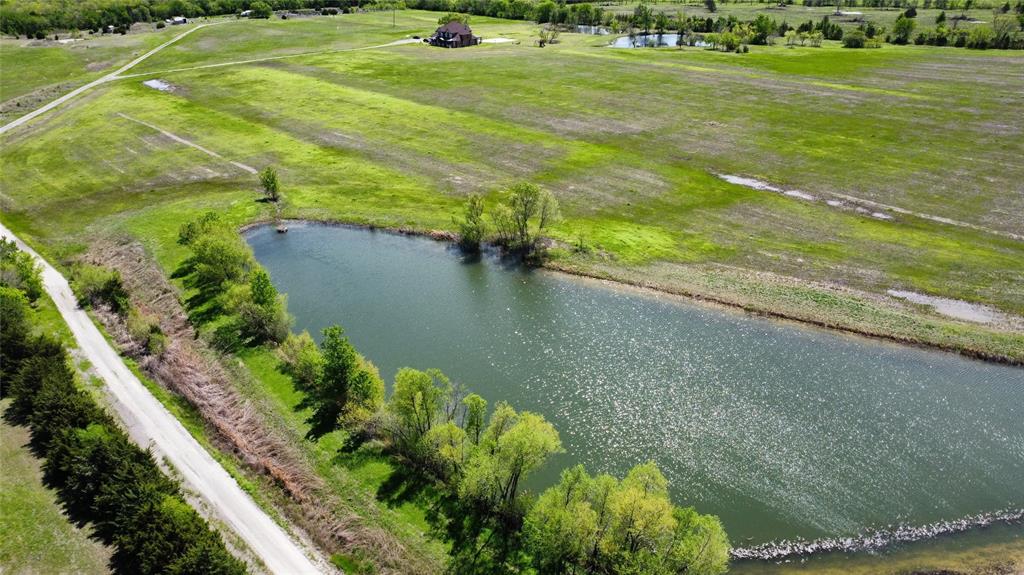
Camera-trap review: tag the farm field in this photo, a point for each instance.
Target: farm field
(804, 183)
(630, 141)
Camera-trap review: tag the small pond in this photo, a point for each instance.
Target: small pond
(651, 41)
(781, 430)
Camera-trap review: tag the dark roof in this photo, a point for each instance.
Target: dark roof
(454, 27)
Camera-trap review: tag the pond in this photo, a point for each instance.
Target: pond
(781, 430)
(651, 41)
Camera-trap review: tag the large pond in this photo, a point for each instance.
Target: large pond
(781, 430)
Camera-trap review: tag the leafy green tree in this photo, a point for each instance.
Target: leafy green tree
(643, 17)
(602, 525)
(453, 17)
(561, 527)
(418, 402)
(220, 258)
(96, 285)
(271, 185)
(711, 6)
(661, 23)
(349, 386)
(446, 448)
(20, 270)
(902, 30)
(302, 360)
(475, 409)
(854, 39)
(259, 308)
(941, 18)
(514, 446)
(527, 211)
(260, 10)
(472, 228)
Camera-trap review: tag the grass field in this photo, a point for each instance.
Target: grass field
(629, 140)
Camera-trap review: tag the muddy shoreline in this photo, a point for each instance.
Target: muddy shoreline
(682, 293)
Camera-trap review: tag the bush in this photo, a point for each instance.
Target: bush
(95, 285)
(260, 10)
(980, 37)
(20, 270)
(160, 25)
(472, 228)
(854, 39)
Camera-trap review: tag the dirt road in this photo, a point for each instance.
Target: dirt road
(150, 425)
(102, 80)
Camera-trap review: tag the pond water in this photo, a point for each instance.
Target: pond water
(650, 41)
(781, 430)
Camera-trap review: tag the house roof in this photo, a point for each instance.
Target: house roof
(455, 28)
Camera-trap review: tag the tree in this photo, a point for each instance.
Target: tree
(453, 17)
(513, 446)
(941, 18)
(302, 360)
(348, 386)
(526, 211)
(562, 526)
(418, 403)
(15, 331)
(473, 416)
(711, 6)
(1004, 29)
(20, 270)
(259, 308)
(260, 10)
(271, 186)
(910, 12)
(643, 17)
(661, 23)
(854, 39)
(902, 30)
(472, 228)
(602, 525)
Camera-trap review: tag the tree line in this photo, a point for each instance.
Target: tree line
(444, 436)
(100, 477)
(32, 17)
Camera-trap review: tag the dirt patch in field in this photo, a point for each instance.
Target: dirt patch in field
(240, 425)
(954, 308)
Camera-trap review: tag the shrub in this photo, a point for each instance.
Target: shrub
(260, 10)
(980, 38)
(472, 228)
(854, 39)
(95, 285)
(160, 25)
(20, 270)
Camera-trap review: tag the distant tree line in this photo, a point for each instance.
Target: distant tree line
(101, 478)
(32, 17)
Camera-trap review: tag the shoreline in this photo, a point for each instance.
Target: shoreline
(689, 295)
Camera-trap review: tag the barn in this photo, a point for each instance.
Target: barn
(453, 35)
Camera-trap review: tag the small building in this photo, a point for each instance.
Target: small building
(453, 35)
(177, 20)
